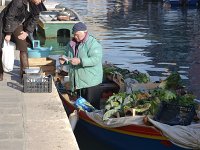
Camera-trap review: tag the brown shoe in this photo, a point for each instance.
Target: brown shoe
(1, 76)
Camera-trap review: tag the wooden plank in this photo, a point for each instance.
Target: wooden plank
(47, 65)
(48, 68)
(41, 62)
(49, 72)
(41, 59)
(37, 59)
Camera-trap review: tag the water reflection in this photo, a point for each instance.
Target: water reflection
(142, 35)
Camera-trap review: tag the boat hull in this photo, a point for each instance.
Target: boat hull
(124, 141)
(126, 137)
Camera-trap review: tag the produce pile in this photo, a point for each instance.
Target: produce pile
(170, 90)
(110, 71)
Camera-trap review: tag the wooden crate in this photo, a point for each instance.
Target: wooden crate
(48, 65)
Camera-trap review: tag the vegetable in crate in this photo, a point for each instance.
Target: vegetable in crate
(140, 77)
(113, 105)
(111, 70)
(173, 81)
(121, 102)
(142, 108)
(159, 95)
(108, 69)
(186, 100)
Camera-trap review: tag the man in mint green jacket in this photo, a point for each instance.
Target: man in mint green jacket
(84, 57)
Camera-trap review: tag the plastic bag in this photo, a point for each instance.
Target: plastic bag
(82, 104)
(8, 56)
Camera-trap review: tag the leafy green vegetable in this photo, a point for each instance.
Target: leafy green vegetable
(164, 95)
(109, 113)
(187, 99)
(173, 81)
(142, 108)
(146, 103)
(109, 70)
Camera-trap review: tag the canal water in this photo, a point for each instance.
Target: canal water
(142, 35)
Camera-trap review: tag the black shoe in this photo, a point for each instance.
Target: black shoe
(1, 76)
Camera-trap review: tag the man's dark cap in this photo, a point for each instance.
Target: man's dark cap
(80, 26)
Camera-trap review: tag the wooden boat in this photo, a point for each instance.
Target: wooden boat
(54, 27)
(57, 21)
(124, 132)
(125, 137)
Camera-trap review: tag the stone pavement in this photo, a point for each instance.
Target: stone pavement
(32, 121)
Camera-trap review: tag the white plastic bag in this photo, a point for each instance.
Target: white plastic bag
(8, 56)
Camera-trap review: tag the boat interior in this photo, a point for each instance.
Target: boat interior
(54, 14)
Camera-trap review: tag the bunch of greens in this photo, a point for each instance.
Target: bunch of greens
(119, 103)
(110, 70)
(173, 81)
(147, 102)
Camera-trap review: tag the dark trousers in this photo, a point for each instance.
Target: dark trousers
(20, 44)
(92, 95)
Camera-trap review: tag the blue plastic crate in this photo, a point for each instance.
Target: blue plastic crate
(39, 52)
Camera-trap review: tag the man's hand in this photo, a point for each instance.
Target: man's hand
(75, 61)
(23, 35)
(61, 61)
(7, 38)
(63, 58)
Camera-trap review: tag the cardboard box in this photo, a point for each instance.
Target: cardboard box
(48, 65)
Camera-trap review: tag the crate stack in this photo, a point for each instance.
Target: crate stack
(41, 81)
(47, 65)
